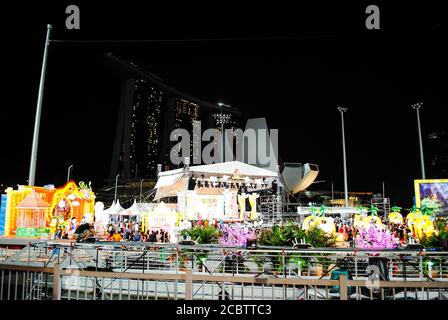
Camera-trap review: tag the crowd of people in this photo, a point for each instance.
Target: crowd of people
(132, 232)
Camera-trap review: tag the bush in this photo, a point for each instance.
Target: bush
(280, 235)
(204, 234)
(318, 238)
(439, 238)
(284, 235)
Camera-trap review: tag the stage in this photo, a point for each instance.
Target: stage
(21, 242)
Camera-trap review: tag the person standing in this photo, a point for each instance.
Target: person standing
(158, 236)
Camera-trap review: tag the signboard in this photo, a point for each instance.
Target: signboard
(194, 206)
(432, 192)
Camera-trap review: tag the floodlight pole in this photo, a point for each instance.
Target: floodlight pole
(68, 172)
(141, 189)
(342, 110)
(32, 172)
(417, 107)
(116, 184)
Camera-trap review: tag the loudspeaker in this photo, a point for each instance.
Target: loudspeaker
(191, 183)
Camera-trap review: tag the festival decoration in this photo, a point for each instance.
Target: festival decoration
(242, 203)
(361, 221)
(63, 201)
(395, 215)
(308, 222)
(235, 235)
(64, 204)
(253, 204)
(420, 222)
(375, 237)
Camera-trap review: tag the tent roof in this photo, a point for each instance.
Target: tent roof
(223, 168)
(33, 201)
(172, 181)
(115, 207)
(132, 210)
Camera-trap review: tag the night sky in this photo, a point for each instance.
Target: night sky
(292, 65)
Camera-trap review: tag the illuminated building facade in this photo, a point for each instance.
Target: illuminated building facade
(147, 117)
(145, 130)
(181, 114)
(149, 111)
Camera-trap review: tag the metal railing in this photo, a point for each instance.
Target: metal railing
(41, 283)
(277, 262)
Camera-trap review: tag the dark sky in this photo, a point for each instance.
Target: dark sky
(311, 60)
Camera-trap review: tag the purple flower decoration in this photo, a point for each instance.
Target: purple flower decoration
(235, 235)
(374, 237)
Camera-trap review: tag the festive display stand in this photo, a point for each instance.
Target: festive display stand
(32, 211)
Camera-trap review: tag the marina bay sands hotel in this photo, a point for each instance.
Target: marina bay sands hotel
(150, 110)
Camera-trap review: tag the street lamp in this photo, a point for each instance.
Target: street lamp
(222, 119)
(32, 173)
(342, 110)
(417, 107)
(141, 189)
(116, 182)
(68, 172)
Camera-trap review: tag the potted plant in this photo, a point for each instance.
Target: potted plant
(202, 234)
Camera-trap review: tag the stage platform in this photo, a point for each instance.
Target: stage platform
(20, 242)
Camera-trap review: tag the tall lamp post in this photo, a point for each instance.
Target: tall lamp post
(417, 107)
(342, 110)
(32, 173)
(141, 189)
(116, 183)
(222, 119)
(68, 172)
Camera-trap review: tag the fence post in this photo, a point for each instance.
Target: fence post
(343, 287)
(188, 284)
(56, 282)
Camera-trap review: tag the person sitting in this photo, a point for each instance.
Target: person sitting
(116, 237)
(86, 234)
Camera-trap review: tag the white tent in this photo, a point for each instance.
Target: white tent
(173, 181)
(136, 209)
(233, 167)
(115, 208)
(131, 211)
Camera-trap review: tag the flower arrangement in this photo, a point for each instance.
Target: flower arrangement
(235, 235)
(375, 237)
